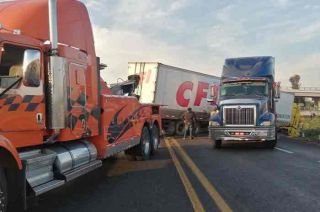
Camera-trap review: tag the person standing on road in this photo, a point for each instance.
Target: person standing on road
(189, 119)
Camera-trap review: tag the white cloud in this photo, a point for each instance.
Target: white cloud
(307, 67)
(94, 4)
(280, 3)
(117, 47)
(177, 5)
(175, 33)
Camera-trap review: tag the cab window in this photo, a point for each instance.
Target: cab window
(13, 67)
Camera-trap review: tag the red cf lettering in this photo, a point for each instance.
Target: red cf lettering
(181, 100)
(201, 93)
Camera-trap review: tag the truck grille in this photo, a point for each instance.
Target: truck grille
(239, 115)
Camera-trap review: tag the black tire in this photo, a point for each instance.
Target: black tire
(3, 192)
(143, 150)
(179, 128)
(155, 139)
(217, 144)
(271, 144)
(169, 127)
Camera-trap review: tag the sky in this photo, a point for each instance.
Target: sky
(199, 34)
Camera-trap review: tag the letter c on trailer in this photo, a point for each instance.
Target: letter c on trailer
(181, 100)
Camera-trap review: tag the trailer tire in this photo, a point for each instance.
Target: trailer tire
(217, 144)
(3, 192)
(179, 128)
(144, 148)
(169, 127)
(155, 138)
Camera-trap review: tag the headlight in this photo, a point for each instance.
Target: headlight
(213, 124)
(266, 123)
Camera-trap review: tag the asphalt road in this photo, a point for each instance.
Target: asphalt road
(193, 175)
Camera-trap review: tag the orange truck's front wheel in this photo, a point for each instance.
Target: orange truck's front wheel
(3, 192)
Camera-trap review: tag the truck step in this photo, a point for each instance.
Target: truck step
(38, 166)
(84, 169)
(43, 188)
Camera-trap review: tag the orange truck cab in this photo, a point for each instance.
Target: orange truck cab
(58, 117)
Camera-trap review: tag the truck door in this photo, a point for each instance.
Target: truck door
(77, 99)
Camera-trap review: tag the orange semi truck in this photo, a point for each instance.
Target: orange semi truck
(59, 120)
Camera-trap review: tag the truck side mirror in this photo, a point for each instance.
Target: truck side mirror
(213, 93)
(276, 88)
(31, 68)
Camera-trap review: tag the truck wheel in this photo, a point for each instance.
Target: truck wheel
(217, 144)
(144, 148)
(169, 127)
(271, 144)
(155, 139)
(3, 192)
(179, 128)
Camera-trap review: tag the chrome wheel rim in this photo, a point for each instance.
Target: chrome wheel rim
(155, 133)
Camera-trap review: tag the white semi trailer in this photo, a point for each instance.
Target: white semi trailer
(284, 109)
(176, 89)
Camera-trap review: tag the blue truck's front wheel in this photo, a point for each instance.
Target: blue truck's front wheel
(271, 144)
(217, 144)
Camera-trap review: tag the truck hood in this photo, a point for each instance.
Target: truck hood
(261, 103)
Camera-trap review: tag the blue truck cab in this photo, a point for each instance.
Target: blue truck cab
(246, 102)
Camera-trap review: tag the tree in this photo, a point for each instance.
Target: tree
(295, 79)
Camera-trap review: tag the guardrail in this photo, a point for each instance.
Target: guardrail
(302, 89)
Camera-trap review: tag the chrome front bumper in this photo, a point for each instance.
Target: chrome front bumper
(242, 133)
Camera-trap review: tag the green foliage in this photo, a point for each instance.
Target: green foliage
(311, 128)
(310, 123)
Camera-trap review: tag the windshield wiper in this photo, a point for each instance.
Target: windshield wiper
(10, 86)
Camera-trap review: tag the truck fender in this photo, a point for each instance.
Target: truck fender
(8, 154)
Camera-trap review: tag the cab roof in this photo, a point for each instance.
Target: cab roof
(31, 18)
(249, 67)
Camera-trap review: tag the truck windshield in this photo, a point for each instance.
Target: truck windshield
(244, 89)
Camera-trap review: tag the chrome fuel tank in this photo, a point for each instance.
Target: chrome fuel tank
(72, 155)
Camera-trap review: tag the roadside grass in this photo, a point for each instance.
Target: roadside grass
(311, 128)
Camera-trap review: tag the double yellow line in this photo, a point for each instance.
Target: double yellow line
(211, 190)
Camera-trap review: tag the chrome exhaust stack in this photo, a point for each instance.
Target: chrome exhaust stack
(56, 77)
(53, 25)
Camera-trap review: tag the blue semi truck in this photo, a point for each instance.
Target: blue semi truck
(246, 102)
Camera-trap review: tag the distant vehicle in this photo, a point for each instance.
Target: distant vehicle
(284, 109)
(246, 102)
(177, 89)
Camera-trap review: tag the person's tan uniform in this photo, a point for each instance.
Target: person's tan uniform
(189, 118)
